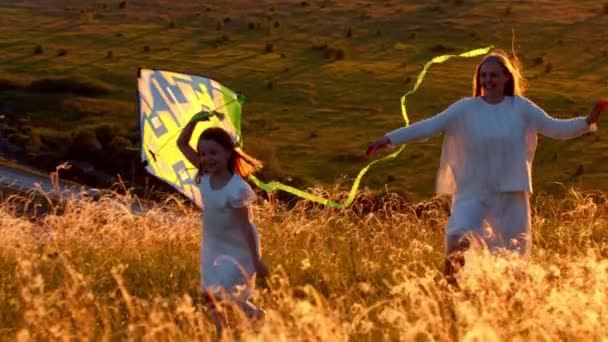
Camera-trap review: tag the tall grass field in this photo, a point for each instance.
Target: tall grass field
(91, 270)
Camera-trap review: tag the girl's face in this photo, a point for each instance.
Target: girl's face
(214, 156)
(493, 78)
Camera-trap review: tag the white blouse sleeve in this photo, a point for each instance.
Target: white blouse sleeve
(422, 130)
(546, 125)
(241, 195)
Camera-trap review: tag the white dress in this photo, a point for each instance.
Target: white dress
(227, 267)
(486, 163)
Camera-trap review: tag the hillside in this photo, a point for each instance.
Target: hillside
(322, 78)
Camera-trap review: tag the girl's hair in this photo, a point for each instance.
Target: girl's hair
(240, 162)
(512, 68)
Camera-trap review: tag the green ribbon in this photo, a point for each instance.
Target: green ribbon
(273, 186)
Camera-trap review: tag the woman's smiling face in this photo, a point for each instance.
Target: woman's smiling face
(493, 79)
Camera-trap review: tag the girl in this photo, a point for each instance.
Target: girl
(486, 159)
(230, 253)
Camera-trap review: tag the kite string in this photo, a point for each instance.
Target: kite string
(353, 192)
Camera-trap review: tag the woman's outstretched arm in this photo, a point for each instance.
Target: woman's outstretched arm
(420, 130)
(558, 128)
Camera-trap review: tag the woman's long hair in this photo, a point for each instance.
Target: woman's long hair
(240, 162)
(512, 68)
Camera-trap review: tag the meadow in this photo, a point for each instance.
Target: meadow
(322, 78)
(93, 271)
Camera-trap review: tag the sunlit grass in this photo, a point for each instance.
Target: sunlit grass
(93, 271)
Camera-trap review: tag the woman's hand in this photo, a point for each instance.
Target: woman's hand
(593, 117)
(377, 145)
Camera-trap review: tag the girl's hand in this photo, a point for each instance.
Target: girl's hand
(261, 269)
(202, 116)
(377, 145)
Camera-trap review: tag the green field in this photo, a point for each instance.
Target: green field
(322, 78)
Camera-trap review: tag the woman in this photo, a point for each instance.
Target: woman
(487, 154)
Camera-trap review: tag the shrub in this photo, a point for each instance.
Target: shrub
(76, 85)
(440, 48)
(269, 48)
(334, 53)
(85, 146)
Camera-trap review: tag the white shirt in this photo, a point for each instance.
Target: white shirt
(488, 147)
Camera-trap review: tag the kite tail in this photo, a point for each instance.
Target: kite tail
(272, 186)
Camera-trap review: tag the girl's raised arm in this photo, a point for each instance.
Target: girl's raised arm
(184, 145)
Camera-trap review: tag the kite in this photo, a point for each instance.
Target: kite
(168, 101)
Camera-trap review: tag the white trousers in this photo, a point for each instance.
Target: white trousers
(502, 220)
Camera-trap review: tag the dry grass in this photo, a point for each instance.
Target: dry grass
(94, 271)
